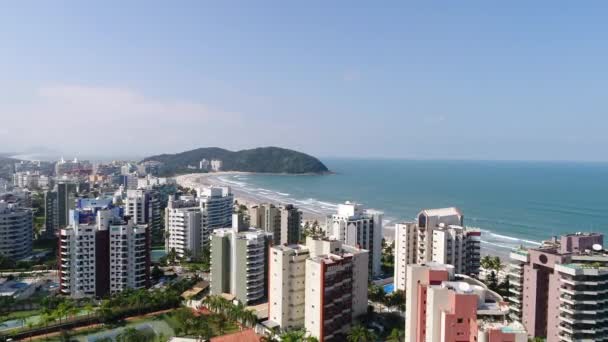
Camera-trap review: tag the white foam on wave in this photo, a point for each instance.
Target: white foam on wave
(318, 207)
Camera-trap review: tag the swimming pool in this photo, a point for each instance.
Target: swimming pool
(389, 288)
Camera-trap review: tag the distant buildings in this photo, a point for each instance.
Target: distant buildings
(239, 256)
(438, 236)
(216, 165)
(321, 287)
(355, 226)
(30, 179)
(150, 181)
(559, 290)
(74, 167)
(283, 222)
(444, 306)
(213, 165)
(103, 257)
(16, 231)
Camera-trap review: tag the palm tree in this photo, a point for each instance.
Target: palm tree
(360, 334)
(293, 335)
(486, 262)
(249, 318)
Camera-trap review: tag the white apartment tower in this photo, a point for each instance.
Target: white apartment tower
(190, 221)
(355, 226)
(437, 236)
(217, 207)
(105, 257)
(144, 207)
(183, 226)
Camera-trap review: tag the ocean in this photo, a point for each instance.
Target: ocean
(513, 203)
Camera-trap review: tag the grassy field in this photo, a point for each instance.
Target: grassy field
(19, 315)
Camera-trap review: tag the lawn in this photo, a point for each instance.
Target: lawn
(19, 315)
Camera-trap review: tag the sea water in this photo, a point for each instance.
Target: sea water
(512, 202)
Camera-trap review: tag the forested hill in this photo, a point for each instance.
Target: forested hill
(263, 159)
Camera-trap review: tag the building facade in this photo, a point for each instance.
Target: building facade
(103, 257)
(438, 236)
(66, 201)
(143, 205)
(51, 215)
(558, 289)
(183, 226)
(355, 226)
(16, 231)
(217, 206)
(443, 306)
(239, 256)
(283, 222)
(321, 287)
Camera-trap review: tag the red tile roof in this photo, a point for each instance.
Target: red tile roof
(242, 336)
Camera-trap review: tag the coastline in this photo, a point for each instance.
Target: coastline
(249, 198)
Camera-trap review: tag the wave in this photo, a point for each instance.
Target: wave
(490, 240)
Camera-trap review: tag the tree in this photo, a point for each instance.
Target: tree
(157, 273)
(360, 334)
(376, 293)
(297, 335)
(132, 335)
(492, 281)
(395, 336)
(486, 262)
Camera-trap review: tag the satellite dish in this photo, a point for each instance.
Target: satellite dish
(597, 247)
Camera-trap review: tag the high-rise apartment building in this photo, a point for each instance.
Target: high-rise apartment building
(66, 201)
(438, 236)
(444, 306)
(190, 221)
(355, 226)
(103, 256)
(217, 207)
(321, 287)
(283, 222)
(239, 256)
(183, 226)
(558, 290)
(51, 214)
(16, 231)
(143, 206)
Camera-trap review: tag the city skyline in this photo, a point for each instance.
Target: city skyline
(424, 81)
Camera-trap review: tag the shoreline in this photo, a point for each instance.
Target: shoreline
(197, 180)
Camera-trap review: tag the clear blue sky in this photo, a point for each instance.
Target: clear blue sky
(451, 79)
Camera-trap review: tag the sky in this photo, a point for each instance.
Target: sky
(513, 80)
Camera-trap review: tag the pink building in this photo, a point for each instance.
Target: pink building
(443, 306)
(539, 284)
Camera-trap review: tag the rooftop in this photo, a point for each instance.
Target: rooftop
(442, 212)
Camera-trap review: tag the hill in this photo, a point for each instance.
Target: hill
(263, 160)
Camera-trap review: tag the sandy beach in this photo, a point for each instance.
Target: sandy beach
(250, 198)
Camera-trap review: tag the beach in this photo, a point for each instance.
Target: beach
(311, 212)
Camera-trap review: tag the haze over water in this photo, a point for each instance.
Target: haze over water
(508, 200)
